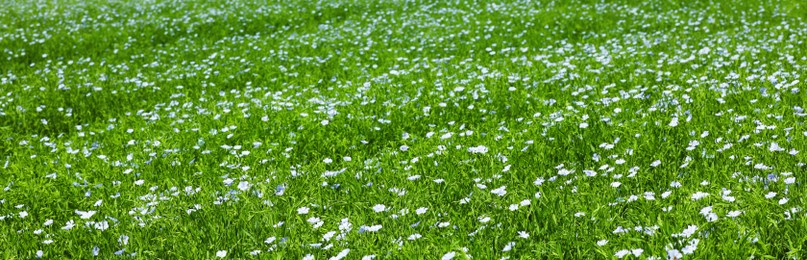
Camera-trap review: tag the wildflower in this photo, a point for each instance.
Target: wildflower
(303, 211)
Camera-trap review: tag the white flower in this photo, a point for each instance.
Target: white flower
(523, 234)
(538, 181)
(85, 214)
(734, 213)
(674, 122)
(689, 231)
(790, 180)
(269, 240)
(244, 186)
(341, 254)
(674, 254)
(655, 163)
(379, 208)
(221, 254)
(711, 217)
(303, 211)
(69, 225)
(373, 228)
(103, 225)
(421, 210)
(699, 195)
(449, 255)
(704, 51)
(602, 242)
(508, 247)
(622, 253)
(500, 191)
(691, 247)
(478, 149)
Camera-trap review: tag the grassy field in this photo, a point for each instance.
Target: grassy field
(344, 129)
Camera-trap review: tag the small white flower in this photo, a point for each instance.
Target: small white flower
(602, 242)
(421, 210)
(449, 255)
(655, 163)
(373, 228)
(85, 214)
(734, 213)
(379, 208)
(303, 211)
(790, 180)
(341, 254)
(478, 149)
(523, 234)
(674, 254)
(499, 191)
(508, 247)
(221, 254)
(244, 186)
(622, 253)
(699, 195)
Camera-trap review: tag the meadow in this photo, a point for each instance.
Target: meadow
(370, 129)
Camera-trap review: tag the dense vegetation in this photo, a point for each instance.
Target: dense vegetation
(402, 129)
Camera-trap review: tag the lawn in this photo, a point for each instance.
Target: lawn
(352, 129)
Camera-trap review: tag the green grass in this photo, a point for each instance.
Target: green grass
(192, 128)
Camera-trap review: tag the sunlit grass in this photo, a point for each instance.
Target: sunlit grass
(402, 129)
